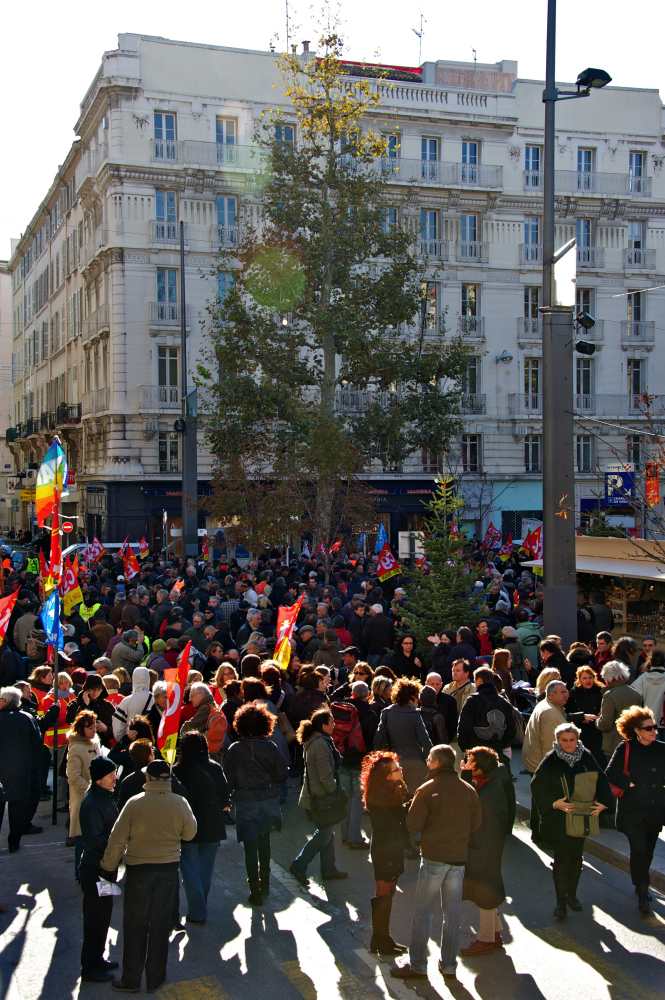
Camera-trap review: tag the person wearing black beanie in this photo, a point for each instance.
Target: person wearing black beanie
(97, 815)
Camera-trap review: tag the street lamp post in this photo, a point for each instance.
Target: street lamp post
(190, 542)
(559, 580)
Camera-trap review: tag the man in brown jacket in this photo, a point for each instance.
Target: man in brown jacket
(150, 829)
(103, 630)
(445, 810)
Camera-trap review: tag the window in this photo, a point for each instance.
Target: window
(531, 314)
(225, 131)
(430, 461)
(635, 378)
(471, 379)
(167, 365)
(167, 293)
(168, 451)
(635, 236)
(44, 340)
(429, 154)
(165, 148)
(532, 453)
(469, 235)
(224, 284)
(469, 162)
(226, 219)
(389, 221)
(285, 135)
(583, 240)
(470, 452)
(584, 166)
(392, 142)
(165, 213)
(584, 300)
(584, 445)
(635, 445)
(637, 169)
(532, 165)
(469, 300)
(635, 310)
(532, 383)
(584, 383)
(531, 238)
(428, 305)
(428, 230)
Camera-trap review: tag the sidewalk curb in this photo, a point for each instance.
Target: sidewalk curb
(617, 859)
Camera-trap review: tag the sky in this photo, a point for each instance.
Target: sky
(49, 55)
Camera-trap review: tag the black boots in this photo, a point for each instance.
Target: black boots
(381, 939)
(255, 897)
(560, 876)
(574, 872)
(643, 897)
(264, 875)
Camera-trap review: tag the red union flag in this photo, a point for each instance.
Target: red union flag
(492, 536)
(6, 608)
(69, 587)
(143, 548)
(123, 548)
(204, 547)
(130, 563)
(97, 550)
(286, 620)
(388, 565)
(506, 548)
(176, 678)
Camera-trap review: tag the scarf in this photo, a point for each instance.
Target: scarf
(569, 758)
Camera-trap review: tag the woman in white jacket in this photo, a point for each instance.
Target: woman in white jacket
(139, 702)
(651, 688)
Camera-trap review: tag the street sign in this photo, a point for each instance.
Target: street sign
(619, 489)
(67, 526)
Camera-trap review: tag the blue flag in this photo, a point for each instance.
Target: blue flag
(50, 617)
(381, 539)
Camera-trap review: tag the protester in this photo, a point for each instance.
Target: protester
(583, 708)
(355, 729)
(445, 811)
(651, 688)
(384, 795)
(21, 752)
(401, 728)
(139, 702)
(637, 770)
(617, 697)
(487, 718)
(461, 686)
(255, 770)
(381, 691)
(405, 661)
(82, 745)
(568, 766)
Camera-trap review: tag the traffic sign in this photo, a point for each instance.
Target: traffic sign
(67, 526)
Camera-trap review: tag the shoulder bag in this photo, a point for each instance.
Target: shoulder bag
(616, 791)
(580, 822)
(327, 810)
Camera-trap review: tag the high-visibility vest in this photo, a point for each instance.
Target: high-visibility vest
(33, 566)
(40, 696)
(88, 613)
(63, 726)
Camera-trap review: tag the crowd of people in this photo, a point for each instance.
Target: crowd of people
(414, 744)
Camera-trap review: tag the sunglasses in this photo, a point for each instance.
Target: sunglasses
(647, 729)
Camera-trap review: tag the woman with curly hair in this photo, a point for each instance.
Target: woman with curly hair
(255, 769)
(637, 767)
(385, 797)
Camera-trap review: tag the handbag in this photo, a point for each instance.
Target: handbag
(285, 728)
(616, 791)
(580, 822)
(327, 810)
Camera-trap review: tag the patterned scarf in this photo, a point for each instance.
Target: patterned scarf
(569, 758)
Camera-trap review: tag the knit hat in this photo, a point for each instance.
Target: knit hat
(159, 645)
(508, 632)
(93, 681)
(427, 697)
(100, 767)
(158, 769)
(89, 635)
(99, 615)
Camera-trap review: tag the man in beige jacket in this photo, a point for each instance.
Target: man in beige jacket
(539, 737)
(149, 830)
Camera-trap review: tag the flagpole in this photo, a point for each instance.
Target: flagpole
(56, 724)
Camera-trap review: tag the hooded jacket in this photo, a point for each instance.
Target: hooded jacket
(651, 688)
(139, 702)
(486, 720)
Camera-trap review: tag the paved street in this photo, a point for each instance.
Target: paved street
(307, 945)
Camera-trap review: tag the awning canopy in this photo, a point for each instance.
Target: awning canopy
(635, 558)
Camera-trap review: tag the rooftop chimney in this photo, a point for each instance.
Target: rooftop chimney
(305, 46)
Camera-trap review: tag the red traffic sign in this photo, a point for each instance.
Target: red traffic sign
(67, 526)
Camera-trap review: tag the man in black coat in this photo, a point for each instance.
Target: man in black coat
(446, 704)
(552, 656)
(487, 718)
(97, 815)
(378, 635)
(21, 757)
(463, 650)
(310, 643)
(12, 667)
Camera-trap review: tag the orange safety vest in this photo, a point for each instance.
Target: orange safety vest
(40, 695)
(63, 727)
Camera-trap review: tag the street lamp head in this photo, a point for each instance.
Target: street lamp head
(586, 320)
(584, 347)
(505, 356)
(595, 78)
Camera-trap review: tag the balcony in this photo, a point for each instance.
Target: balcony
(637, 333)
(529, 328)
(159, 397)
(472, 252)
(10, 435)
(97, 242)
(437, 249)
(89, 164)
(473, 402)
(591, 257)
(222, 156)
(95, 402)
(359, 400)
(471, 326)
(525, 404)
(167, 314)
(224, 236)
(31, 426)
(21, 431)
(167, 234)
(47, 421)
(590, 183)
(531, 255)
(68, 413)
(616, 405)
(644, 260)
(95, 323)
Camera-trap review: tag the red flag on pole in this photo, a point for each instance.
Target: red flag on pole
(97, 550)
(131, 564)
(388, 565)
(492, 536)
(204, 547)
(123, 548)
(506, 548)
(176, 678)
(143, 548)
(6, 608)
(286, 620)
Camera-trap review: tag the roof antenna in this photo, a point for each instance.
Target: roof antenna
(419, 35)
(474, 57)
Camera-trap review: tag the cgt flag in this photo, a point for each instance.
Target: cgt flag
(492, 536)
(506, 549)
(69, 587)
(388, 565)
(176, 678)
(143, 548)
(130, 564)
(286, 620)
(97, 550)
(6, 608)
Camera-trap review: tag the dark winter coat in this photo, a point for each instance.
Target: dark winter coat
(486, 720)
(102, 708)
(462, 651)
(447, 705)
(581, 702)
(97, 814)
(21, 754)
(390, 837)
(378, 634)
(254, 770)
(133, 784)
(401, 728)
(434, 724)
(12, 668)
(307, 702)
(356, 626)
(439, 658)
(483, 882)
(404, 666)
(309, 648)
(208, 795)
(567, 669)
(547, 787)
(328, 655)
(646, 767)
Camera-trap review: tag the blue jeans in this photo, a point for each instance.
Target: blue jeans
(197, 863)
(349, 779)
(436, 878)
(323, 843)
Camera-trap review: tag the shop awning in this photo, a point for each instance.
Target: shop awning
(637, 559)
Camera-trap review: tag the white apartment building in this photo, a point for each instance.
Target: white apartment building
(165, 134)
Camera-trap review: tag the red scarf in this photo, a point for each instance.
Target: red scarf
(479, 782)
(485, 645)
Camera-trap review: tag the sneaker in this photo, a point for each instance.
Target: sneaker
(99, 976)
(299, 876)
(122, 987)
(406, 972)
(478, 948)
(334, 875)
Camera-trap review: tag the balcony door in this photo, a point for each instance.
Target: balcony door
(532, 383)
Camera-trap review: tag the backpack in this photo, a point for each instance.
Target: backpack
(347, 734)
(215, 730)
